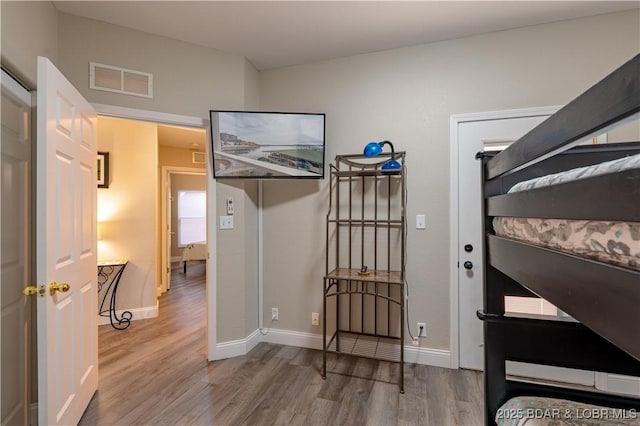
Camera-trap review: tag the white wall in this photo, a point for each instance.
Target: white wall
(407, 96)
(127, 211)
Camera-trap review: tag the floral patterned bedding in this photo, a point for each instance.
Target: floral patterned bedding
(538, 411)
(616, 243)
(625, 163)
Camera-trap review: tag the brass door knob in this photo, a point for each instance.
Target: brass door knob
(32, 290)
(53, 287)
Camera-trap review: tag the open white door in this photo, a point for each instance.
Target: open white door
(66, 249)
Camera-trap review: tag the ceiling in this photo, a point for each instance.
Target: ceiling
(274, 34)
(181, 137)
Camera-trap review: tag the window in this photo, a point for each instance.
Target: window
(192, 213)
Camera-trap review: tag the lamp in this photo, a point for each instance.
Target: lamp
(375, 148)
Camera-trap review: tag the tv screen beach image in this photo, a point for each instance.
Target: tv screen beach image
(267, 144)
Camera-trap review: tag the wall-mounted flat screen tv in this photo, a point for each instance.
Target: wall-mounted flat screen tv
(267, 145)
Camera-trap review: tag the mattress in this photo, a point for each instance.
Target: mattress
(613, 166)
(537, 411)
(617, 243)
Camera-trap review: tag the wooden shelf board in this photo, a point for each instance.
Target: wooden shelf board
(390, 277)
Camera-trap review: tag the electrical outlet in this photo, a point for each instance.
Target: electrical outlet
(274, 314)
(226, 222)
(420, 221)
(315, 318)
(422, 329)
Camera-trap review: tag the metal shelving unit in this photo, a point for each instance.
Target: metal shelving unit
(366, 226)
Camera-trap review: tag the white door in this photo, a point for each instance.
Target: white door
(15, 256)
(65, 249)
(476, 135)
(472, 138)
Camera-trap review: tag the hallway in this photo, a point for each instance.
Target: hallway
(146, 367)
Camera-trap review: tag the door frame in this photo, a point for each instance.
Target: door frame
(166, 171)
(454, 121)
(19, 90)
(211, 263)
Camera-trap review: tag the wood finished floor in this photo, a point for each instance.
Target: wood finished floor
(156, 373)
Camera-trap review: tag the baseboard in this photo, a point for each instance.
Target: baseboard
(293, 338)
(136, 314)
(427, 356)
(413, 354)
(238, 347)
(176, 259)
(33, 421)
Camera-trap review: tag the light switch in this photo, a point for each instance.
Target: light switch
(226, 222)
(229, 205)
(420, 221)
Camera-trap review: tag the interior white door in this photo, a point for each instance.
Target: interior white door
(15, 259)
(474, 136)
(66, 249)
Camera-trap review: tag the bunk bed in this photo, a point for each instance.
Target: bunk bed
(602, 296)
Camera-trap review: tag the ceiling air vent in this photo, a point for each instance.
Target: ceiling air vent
(197, 157)
(120, 80)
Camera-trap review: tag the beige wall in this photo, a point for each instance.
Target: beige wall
(127, 210)
(236, 262)
(177, 157)
(250, 204)
(187, 79)
(251, 87)
(407, 96)
(29, 30)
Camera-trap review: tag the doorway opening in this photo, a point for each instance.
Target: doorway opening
(147, 160)
(175, 138)
(184, 221)
(182, 165)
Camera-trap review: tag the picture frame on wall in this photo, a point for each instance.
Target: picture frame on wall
(102, 170)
